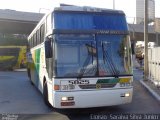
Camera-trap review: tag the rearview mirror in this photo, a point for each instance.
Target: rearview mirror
(48, 48)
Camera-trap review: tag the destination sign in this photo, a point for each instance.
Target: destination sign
(72, 31)
(112, 32)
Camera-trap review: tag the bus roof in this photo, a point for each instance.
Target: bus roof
(77, 9)
(75, 18)
(71, 8)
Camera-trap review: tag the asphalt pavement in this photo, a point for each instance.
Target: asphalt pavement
(18, 96)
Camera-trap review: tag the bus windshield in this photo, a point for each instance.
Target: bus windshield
(92, 56)
(114, 55)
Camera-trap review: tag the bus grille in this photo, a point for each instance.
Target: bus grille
(94, 86)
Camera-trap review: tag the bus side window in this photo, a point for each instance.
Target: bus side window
(31, 42)
(42, 29)
(39, 41)
(35, 40)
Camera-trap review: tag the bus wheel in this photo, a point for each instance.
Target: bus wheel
(45, 94)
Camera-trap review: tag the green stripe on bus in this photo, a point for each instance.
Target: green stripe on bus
(37, 60)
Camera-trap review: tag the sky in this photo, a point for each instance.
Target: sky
(43, 6)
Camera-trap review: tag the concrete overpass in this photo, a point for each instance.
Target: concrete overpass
(16, 22)
(137, 32)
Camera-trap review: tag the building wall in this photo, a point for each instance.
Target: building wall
(140, 10)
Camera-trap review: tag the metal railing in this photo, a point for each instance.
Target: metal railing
(154, 65)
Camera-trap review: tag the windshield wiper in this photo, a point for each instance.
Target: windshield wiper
(103, 53)
(109, 61)
(91, 53)
(83, 69)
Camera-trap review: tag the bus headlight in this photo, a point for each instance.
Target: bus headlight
(64, 98)
(127, 94)
(67, 98)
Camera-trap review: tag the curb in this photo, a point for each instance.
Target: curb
(153, 93)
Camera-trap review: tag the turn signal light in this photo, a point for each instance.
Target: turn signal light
(56, 87)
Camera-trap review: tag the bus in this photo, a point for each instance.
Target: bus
(80, 57)
(12, 57)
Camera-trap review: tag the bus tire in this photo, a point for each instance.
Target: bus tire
(45, 94)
